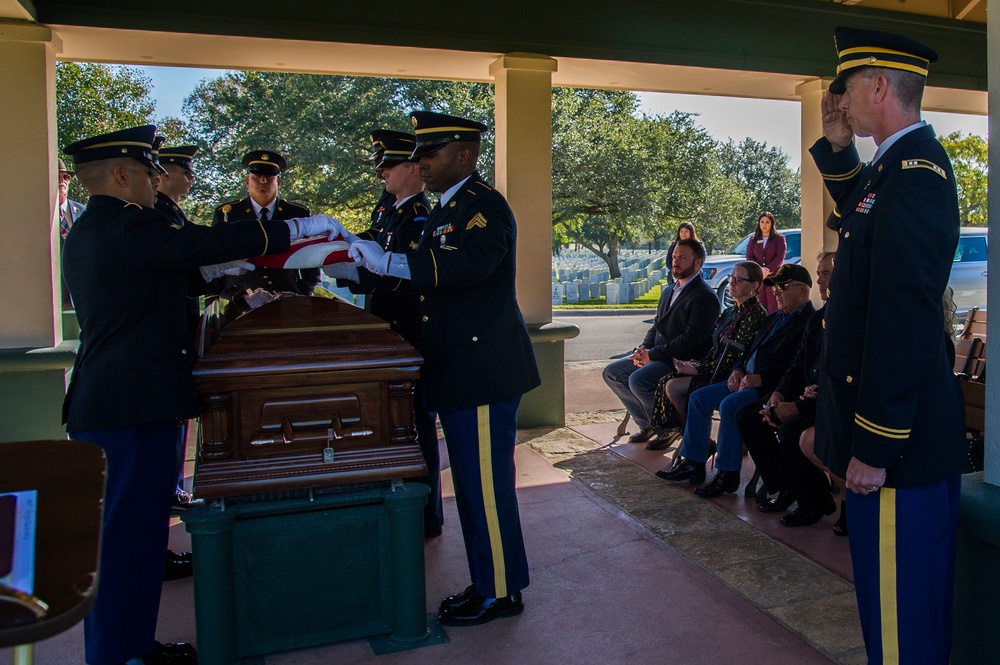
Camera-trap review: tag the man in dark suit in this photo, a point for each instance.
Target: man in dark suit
(890, 418)
(398, 229)
(69, 210)
(682, 330)
(128, 267)
(264, 169)
(772, 434)
(755, 375)
(477, 353)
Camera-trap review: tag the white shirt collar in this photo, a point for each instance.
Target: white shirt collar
(886, 144)
(270, 208)
(450, 192)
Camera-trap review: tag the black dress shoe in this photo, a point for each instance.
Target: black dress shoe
(663, 441)
(178, 565)
(683, 469)
(477, 610)
(171, 653)
(777, 503)
(808, 517)
(725, 482)
(432, 530)
(454, 600)
(642, 436)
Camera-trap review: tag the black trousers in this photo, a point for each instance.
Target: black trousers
(779, 459)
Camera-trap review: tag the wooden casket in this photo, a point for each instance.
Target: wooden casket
(303, 392)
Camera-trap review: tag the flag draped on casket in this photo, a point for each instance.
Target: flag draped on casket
(307, 253)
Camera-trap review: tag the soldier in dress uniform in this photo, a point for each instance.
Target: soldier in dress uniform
(891, 423)
(264, 169)
(128, 267)
(387, 198)
(398, 229)
(478, 356)
(175, 183)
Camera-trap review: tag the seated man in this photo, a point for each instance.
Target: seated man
(772, 435)
(755, 375)
(682, 329)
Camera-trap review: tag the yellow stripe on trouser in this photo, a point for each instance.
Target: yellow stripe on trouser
(887, 575)
(489, 499)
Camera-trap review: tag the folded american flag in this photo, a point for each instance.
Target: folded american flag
(307, 253)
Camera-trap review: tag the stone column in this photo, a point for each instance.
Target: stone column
(816, 203)
(28, 187)
(524, 170)
(523, 90)
(32, 361)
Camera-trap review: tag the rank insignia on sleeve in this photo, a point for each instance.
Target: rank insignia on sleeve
(866, 204)
(478, 221)
(441, 230)
(924, 164)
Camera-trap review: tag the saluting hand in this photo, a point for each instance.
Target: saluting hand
(835, 126)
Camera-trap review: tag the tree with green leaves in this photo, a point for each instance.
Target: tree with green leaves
(764, 175)
(320, 124)
(969, 159)
(93, 98)
(619, 176)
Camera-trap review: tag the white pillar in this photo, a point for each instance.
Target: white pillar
(816, 203)
(30, 304)
(523, 91)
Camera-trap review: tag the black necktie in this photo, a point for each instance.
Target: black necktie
(263, 214)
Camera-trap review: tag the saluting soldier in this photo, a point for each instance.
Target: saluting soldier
(264, 169)
(398, 229)
(891, 423)
(477, 353)
(128, 267)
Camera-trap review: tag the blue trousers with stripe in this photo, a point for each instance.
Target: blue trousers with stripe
(481, 451)
(903, 551)
(142, 473)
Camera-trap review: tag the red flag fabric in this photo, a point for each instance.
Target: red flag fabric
(307, 253)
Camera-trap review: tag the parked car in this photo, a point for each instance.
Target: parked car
(968, 271)
(718, 267)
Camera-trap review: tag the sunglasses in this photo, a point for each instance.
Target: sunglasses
(782, 287)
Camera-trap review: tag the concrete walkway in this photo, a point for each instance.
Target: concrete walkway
(625, 568)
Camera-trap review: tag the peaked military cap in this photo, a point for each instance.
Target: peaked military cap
(264, 162)
(135, 142)
(858, 48)
(789, 272)
(179, 155)
(435, 130)
(393, 148)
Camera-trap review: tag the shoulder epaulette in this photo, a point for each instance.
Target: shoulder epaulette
(483, 184)
(924, 164)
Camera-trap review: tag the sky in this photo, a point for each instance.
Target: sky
(772, 122)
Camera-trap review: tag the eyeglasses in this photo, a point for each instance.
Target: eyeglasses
(782, 287)
(65, 176)
(737, 280)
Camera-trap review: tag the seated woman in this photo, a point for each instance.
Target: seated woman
(734, 331)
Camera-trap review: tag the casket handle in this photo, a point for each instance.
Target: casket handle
(340, 432)
(287, 435)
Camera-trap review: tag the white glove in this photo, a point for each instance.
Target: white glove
(368, 252)
(342, 271)
(232, 268)
(305, 227)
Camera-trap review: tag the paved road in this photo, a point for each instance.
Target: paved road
(604, 334)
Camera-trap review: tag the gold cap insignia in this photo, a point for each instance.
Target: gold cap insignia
(414, 121)
(265, 157)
